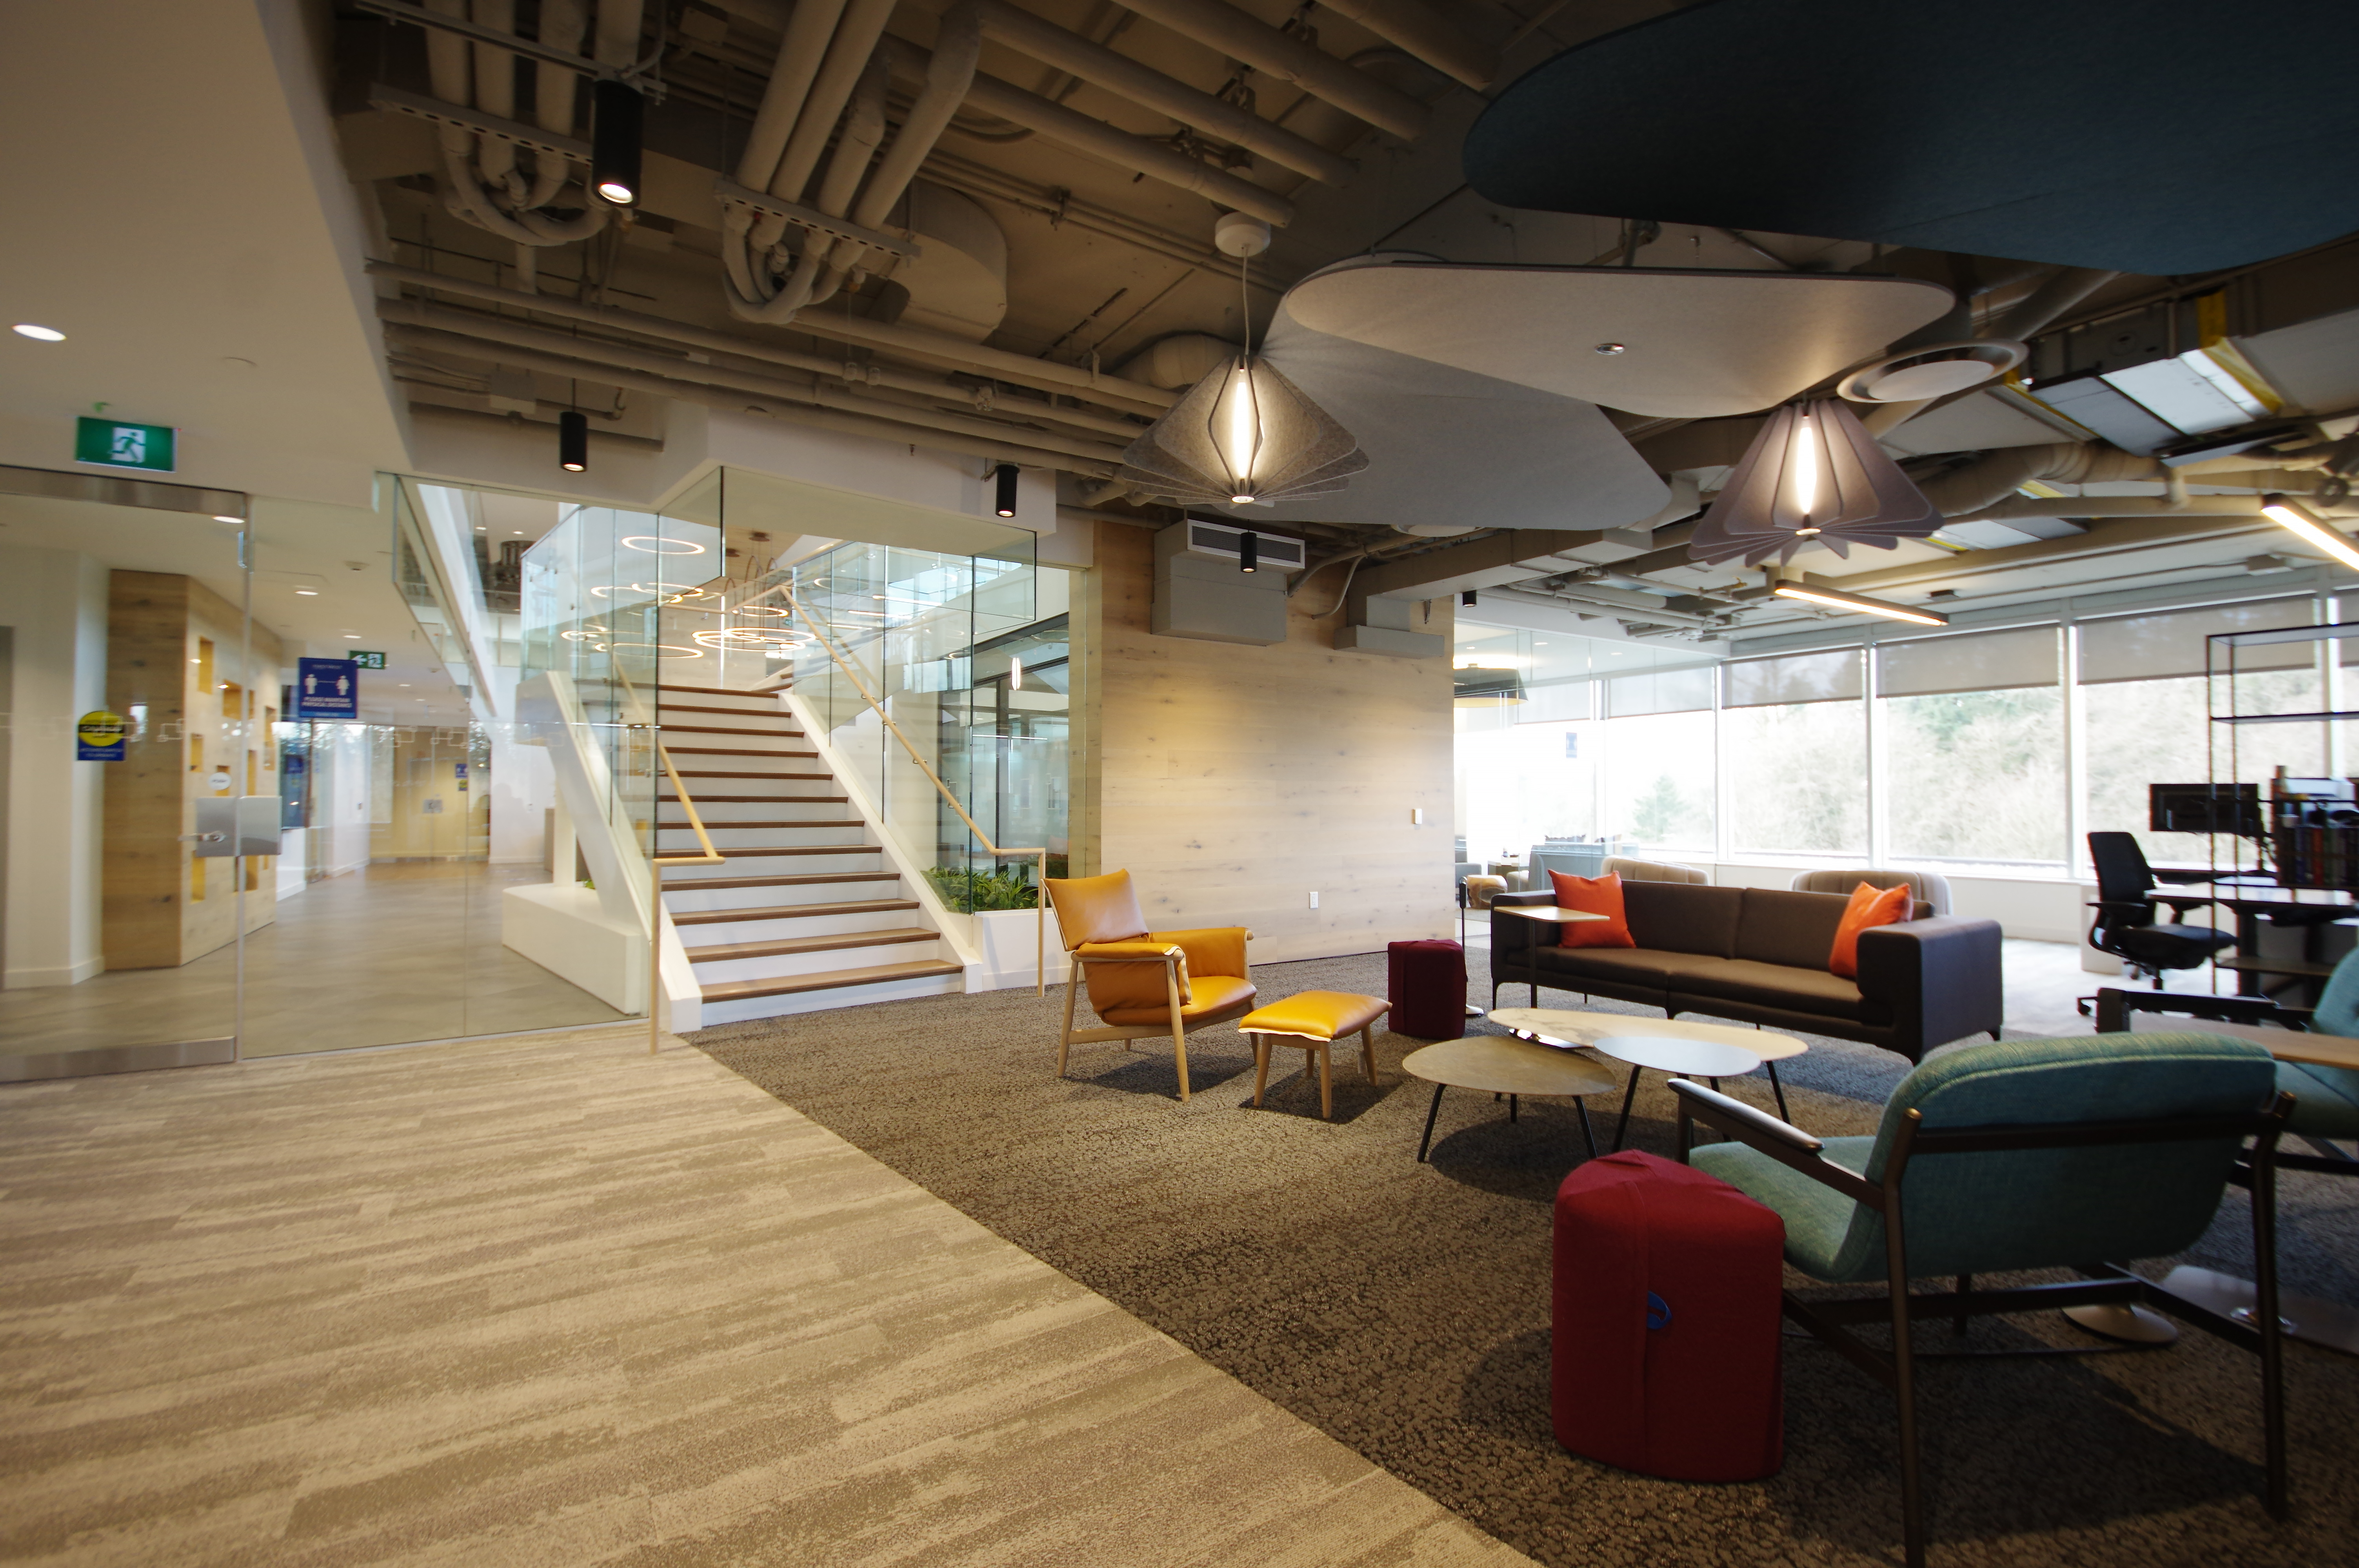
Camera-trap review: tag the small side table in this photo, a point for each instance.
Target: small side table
(1547, 914)
(1668, 1054)
(1510, 1067)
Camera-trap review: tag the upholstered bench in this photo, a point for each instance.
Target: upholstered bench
(1312, 1022)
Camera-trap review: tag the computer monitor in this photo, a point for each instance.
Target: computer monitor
(2205, 808)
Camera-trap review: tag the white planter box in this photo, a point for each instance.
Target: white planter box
(1004, 941)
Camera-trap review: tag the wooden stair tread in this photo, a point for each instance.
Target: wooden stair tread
(799, 878)
(735, 752)
(745, 774)
(742, 827)
(829, 979)
(778, 716)
(793, 910)
(718, 690)
(803, 850)
(721, 953)
(753, 800)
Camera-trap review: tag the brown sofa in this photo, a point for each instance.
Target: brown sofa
(1759, 955)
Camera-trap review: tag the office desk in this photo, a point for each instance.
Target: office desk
(2253, 911)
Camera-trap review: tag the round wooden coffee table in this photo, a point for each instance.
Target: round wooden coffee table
(1510, 1067)
(1558, 1026)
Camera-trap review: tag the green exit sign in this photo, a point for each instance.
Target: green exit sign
(116, 445)
(368, 661)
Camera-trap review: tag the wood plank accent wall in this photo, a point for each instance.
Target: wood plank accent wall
(161, 907)
(1232, 781)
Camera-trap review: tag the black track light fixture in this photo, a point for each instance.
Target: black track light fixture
(617, 117)
(1466, 597)
(1248, 552)
(573, 440)
(1004, 476)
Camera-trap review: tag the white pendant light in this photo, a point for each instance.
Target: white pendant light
(1244, 434)
(1814, 475)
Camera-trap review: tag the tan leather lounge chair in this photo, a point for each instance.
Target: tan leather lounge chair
(1145, 983)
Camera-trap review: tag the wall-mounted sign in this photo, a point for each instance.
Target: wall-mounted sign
(327, 688)
(368, 660)
(98, 737)
(115, 444)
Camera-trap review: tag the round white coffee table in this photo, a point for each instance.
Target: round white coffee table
(1559, 1026)
(1510, 1067)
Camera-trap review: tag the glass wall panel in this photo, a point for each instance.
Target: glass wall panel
(1660, 776)
(1794, 741)
(1971, 747)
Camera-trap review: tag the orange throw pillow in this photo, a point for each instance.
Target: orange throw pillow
(1592, 895)
(1868, 906)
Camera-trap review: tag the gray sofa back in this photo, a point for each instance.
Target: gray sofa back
(1685, 917)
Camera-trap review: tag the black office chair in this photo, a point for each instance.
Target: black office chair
(2126, 924)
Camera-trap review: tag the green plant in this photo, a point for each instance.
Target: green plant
(970, 891)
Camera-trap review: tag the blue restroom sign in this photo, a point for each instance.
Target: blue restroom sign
(327, 688)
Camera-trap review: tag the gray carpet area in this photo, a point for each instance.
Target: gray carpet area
(1404, 1308)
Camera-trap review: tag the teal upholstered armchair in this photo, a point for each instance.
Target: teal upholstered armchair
(2024, 1154)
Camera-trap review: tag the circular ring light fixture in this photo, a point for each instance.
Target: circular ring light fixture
(659, 647)
(657, 545)
(1935, 370)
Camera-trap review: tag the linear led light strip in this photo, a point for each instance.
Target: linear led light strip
(2296, 519)
(1837, 598)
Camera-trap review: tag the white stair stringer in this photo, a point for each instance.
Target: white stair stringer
(810, 910)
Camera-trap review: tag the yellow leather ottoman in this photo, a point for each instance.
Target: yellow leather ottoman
(1311, 1021)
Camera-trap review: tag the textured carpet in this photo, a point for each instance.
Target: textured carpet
(1403, 1308)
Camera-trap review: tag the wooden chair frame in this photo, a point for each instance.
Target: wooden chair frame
(1828, 1320)
(1178, 1027)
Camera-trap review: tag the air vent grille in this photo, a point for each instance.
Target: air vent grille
(1277, 551)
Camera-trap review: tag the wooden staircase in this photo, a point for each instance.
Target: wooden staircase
(787, 922)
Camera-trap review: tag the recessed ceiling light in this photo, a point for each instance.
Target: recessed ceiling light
(40, 334)
(352, 636)
(226, 517)
(309, 592)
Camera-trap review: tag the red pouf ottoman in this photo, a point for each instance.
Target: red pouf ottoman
(1665, 1327)
(1426, 983)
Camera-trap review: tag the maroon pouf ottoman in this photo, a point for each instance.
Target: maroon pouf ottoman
(1666, 1323)
(1426, 983)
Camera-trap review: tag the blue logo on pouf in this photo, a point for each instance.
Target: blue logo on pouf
(1658, 1311)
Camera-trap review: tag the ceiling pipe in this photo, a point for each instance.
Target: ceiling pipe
(562, 26)
(804, 45)
(2065, 288)
(467, 194)
(848, 54)
(917, 342)
(617, 39)
(544, 349)
(504, 328)
(1289, 59)
(912, 425)
(1425, 35)
(1092, 62)
(958, 45)
(1055, 123)
(1963, 492)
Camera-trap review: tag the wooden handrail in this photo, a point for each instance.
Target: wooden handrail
(1040, 905)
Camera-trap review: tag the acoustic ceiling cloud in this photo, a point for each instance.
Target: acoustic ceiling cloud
(2154, 137)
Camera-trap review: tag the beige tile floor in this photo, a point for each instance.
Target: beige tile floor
(378, 957)
(553, 1300)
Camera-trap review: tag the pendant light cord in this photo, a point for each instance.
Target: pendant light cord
(1244, 300)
